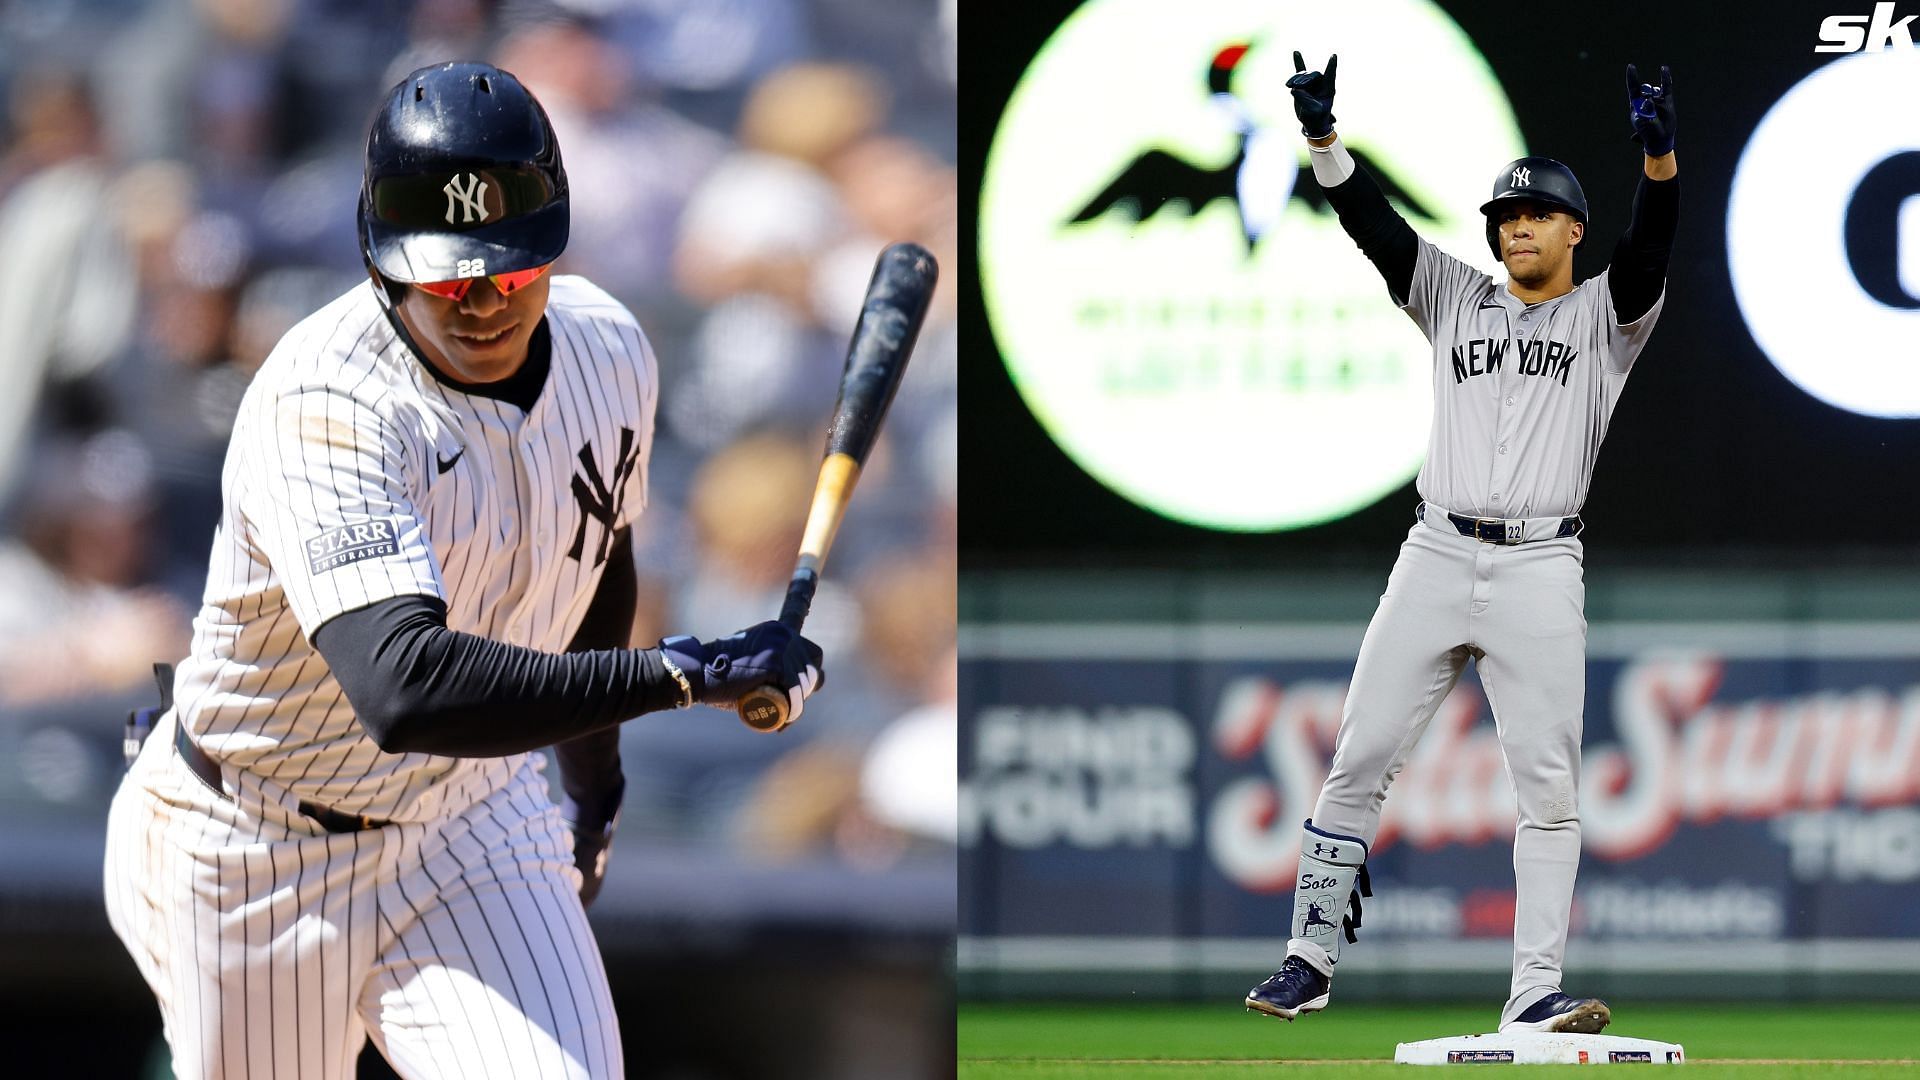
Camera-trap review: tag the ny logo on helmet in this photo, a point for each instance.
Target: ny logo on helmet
(473, 200)
(1521, 178)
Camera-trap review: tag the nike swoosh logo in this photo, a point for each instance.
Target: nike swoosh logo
(449, 463)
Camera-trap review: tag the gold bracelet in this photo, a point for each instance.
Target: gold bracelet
(686, 688)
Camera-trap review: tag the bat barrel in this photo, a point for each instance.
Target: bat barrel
(896, 305)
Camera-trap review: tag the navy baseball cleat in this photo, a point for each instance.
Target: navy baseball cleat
(1298, 987)
(1558, 1012)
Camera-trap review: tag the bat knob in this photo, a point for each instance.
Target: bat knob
(764, 709)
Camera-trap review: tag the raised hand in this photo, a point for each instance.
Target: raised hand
(1651, 110)
(1313, 96)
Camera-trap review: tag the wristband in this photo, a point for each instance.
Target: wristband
(1332, 164)
(686, 688)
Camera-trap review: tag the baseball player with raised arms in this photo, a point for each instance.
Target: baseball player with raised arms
(422, 574)
(1526, 372)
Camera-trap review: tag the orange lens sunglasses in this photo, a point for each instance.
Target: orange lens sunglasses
(508, 283)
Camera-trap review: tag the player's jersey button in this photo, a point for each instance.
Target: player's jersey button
(1503, 448)
(1509, 403)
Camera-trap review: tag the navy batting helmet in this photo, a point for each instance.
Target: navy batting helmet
(463, 178)
(1536, 179)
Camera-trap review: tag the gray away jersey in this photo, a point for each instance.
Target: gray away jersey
(1521, 394)
(353, 476)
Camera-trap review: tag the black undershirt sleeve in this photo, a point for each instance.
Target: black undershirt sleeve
(1639, 268)
(1379, 230)
(590, 764)
(418, 686)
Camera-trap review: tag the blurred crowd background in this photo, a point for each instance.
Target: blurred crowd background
(178, 188)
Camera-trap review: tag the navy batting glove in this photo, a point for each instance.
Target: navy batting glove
(1313, 96)
(592, 840)
(723, 671)
(1651, 110)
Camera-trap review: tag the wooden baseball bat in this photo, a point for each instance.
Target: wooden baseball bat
(896, 304)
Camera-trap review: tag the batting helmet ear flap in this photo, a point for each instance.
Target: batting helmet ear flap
(383, 289)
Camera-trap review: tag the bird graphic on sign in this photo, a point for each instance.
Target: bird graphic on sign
(1264, 172)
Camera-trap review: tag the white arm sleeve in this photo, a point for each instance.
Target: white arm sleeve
(1332, 165)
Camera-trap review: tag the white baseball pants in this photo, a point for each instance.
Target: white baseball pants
(276, 948)
(1519, 611)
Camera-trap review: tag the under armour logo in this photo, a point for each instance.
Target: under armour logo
(600, 498)
(473, 200)
(1522, 177)
(1326, 850)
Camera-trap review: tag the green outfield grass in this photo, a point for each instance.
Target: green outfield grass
(1161, 1042)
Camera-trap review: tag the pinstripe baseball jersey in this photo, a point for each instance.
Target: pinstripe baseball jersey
(354, 476)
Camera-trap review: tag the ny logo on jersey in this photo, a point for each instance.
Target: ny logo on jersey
(472, 201)
(1522, 177)
(600, 498)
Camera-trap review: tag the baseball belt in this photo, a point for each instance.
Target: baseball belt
(1507, 531)
(208, 771)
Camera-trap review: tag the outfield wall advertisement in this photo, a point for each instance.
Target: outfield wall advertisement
(1150, 783)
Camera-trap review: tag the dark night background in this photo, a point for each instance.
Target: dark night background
(1711, 456)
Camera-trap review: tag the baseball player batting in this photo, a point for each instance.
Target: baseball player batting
(422, 574)
(1525, 376)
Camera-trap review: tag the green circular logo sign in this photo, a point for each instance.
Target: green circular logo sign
(1174, 298)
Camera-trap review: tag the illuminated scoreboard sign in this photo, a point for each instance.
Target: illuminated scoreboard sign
(1173, 298)
(1824, 250)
